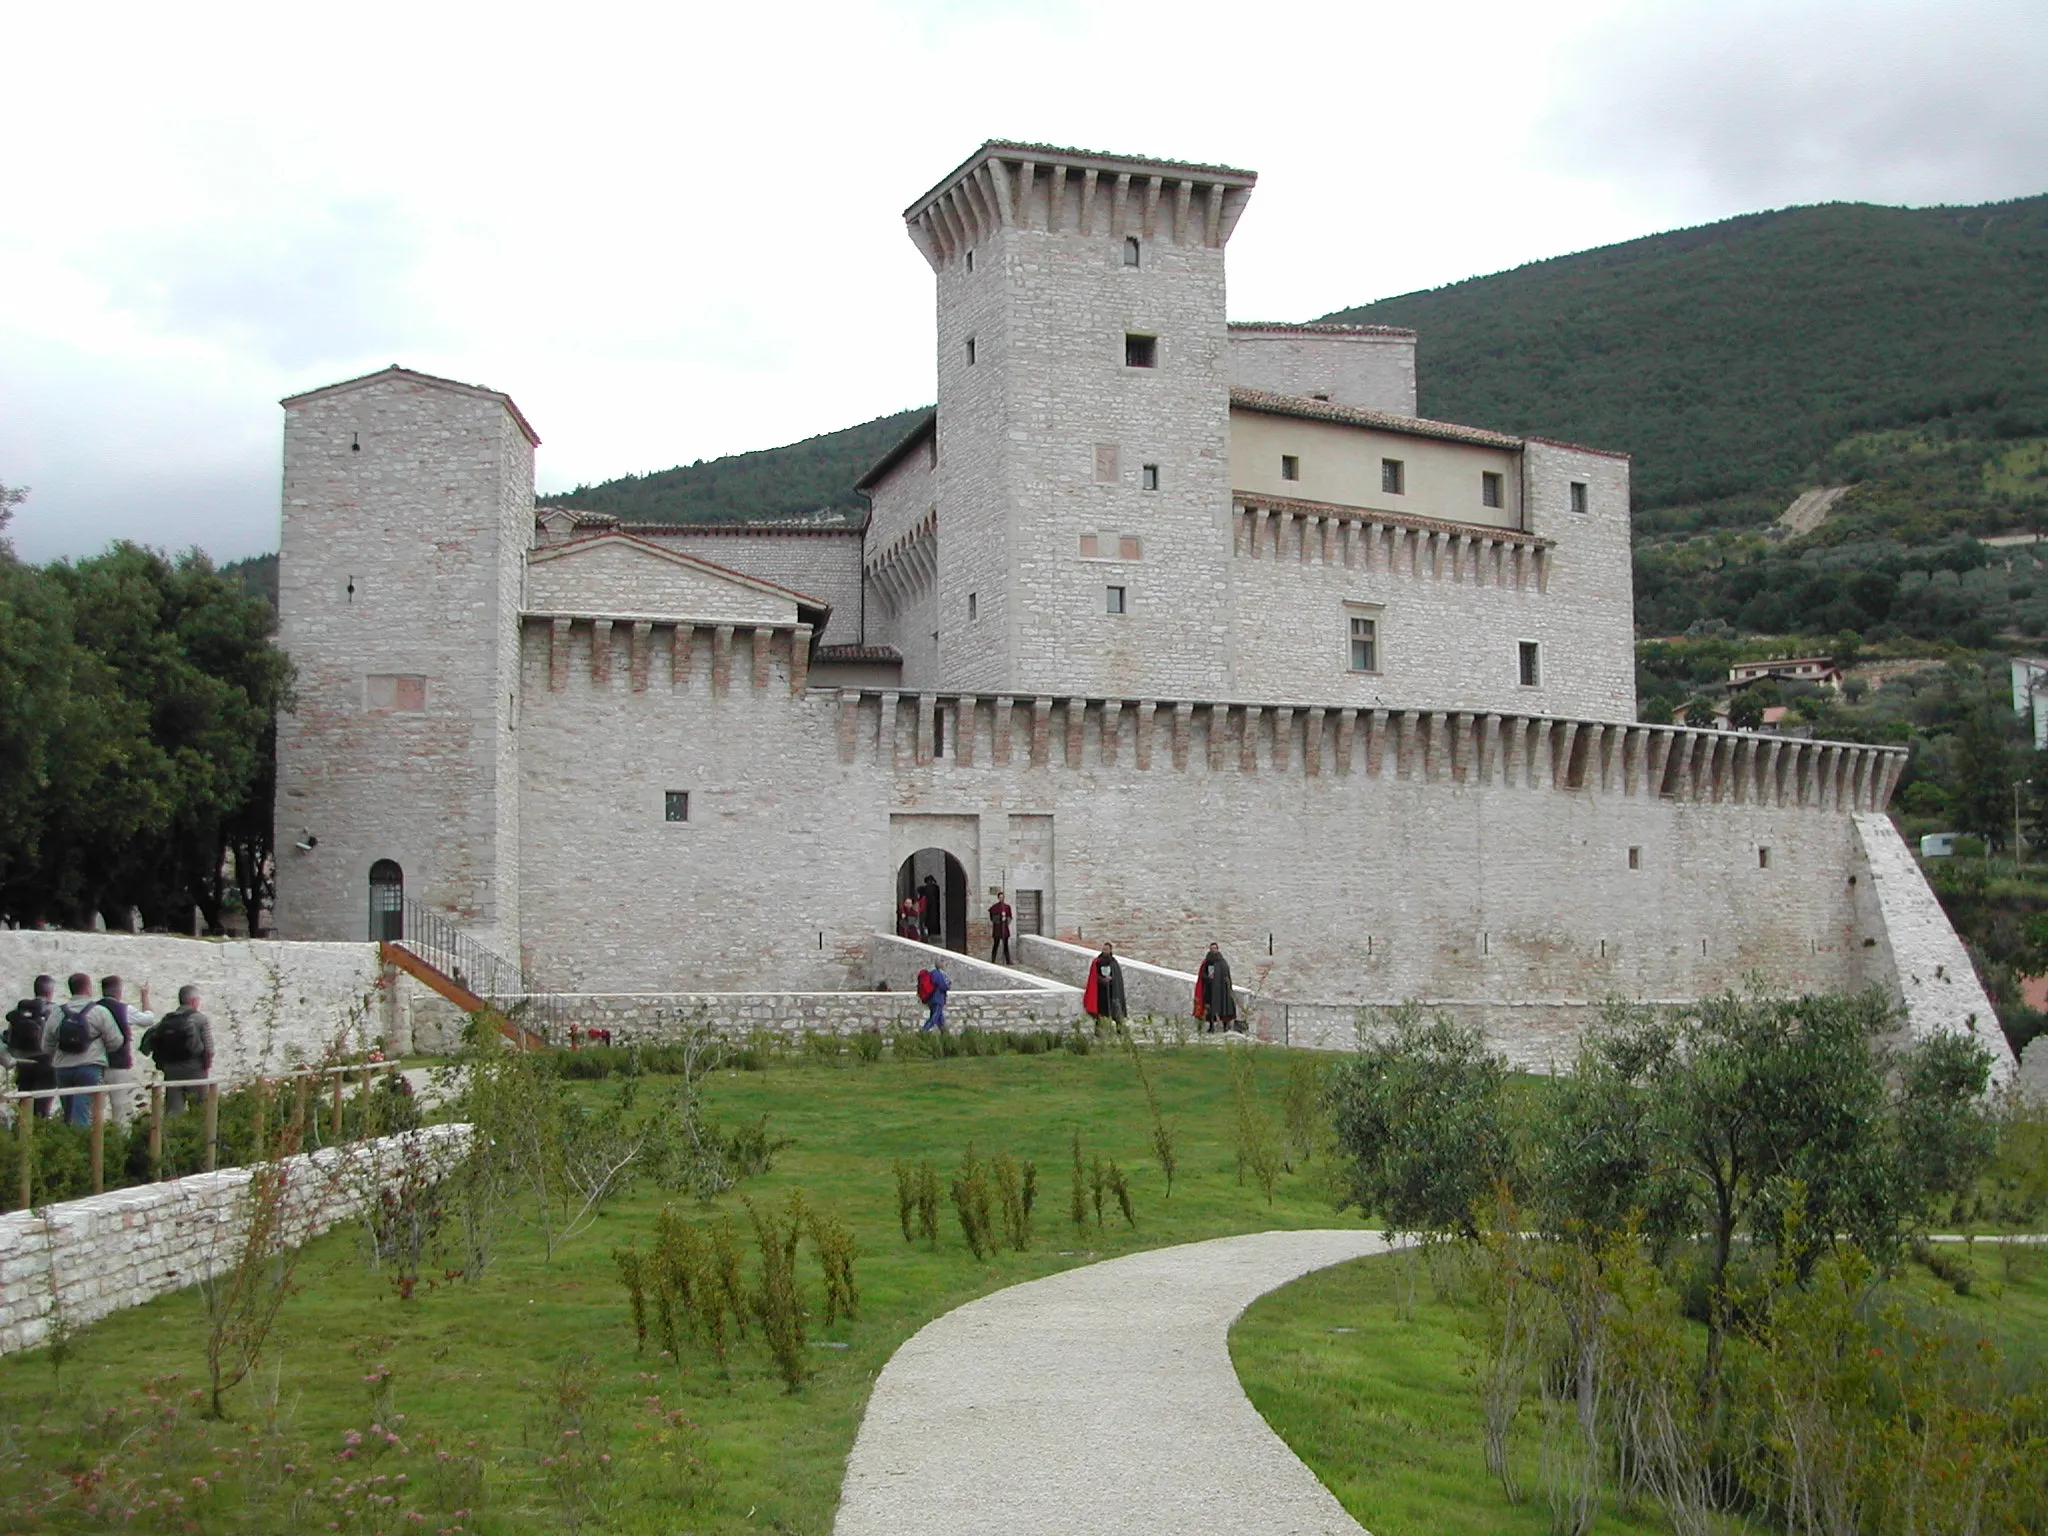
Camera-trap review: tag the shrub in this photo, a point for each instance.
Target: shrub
(776, 1299)
(972, 1203)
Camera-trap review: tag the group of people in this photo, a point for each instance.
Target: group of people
(90, 1039)
(1102, 996)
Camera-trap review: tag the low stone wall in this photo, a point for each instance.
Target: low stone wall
(652, 1017)
(1147, 988)
(91, 1257)
(273, 1004)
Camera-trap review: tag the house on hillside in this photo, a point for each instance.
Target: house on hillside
(1787, 669)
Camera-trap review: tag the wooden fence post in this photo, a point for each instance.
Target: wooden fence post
(212, 1132)
(156, 1131)
(25, 1128)
(99, 1143)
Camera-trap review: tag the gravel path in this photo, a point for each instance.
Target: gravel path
(1097, 1401)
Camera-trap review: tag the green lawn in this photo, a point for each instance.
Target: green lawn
(1384, 1413)
(473, 1361)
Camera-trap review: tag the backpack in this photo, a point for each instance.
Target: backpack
(173, 1038)
(74, 1035)
(924, 986)
(25, 1026)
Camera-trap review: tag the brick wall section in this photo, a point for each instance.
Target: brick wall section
(1373, 368)
(1917, 955)
(272, 1005)
(821, 563)
(106, 1252)
(418, 494)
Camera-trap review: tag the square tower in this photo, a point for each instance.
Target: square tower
(408, 512)
(1082, 468)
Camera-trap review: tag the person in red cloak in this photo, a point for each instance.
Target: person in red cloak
(1215, 999)
(1103, 996)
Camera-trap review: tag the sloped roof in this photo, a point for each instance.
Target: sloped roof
(925, 427)
(1270, 404)
(611, 536)
(397, 374)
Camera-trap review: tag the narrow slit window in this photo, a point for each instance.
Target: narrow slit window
(1134, 254)
(970, 261)
(1579, 497)
(1491, 489)
(1635, 858)
(1148, 477)
(676, 805)
(970, 351)
(1393, 477)
(1141, 351)
(1763, 858)
(1531, 663)
(938, 733)
(1115, 600)
(973, 606)
(1290, 467)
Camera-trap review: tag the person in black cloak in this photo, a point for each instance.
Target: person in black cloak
(1215, 1001)
(928, 909)
(1103, 996)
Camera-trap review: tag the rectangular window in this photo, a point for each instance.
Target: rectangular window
(1115, 600)
(1763, 858)
(1531, 663)
(1133, 252)
(1635, 858)
(1106, 466)
(1148, 477)
(1127, 546)
(1290, 467)
(1141, 351)
(1091, 546)
(973, 607)
(1579, 496)
(938, 733)
(676, 805)
(1490, 489)
(1393, 477)
(1365, 643)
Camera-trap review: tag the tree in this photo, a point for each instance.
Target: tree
(1982, 791)
(1420, 1115)
(1745, 711)
(1699, 714)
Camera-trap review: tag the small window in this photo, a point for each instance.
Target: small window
(1393, 477)
(1763, 858)
(1106, 467)
(1579, 496)
(1133, 252)
(973, 607)
(1635, 858)
(1532, 664)
(1127, 547)
(1116, 600)
(1141, 351)
(1091, 546)
(970, 351)
(676, 805)
(1490, 489)
(1148, 477)
(1365, 643)
(1290, 467)
(970, 261)
(938, 733)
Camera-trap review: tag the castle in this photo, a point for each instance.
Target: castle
(1175, 629)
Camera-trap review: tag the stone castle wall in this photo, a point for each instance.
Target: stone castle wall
(818, 562)
(1369, 367)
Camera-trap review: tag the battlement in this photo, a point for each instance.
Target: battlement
(1041, 186)
(1447, 747)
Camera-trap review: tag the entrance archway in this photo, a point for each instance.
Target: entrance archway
(387, 901)
(951, 878)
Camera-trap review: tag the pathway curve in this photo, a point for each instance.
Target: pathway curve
(1100, 1401)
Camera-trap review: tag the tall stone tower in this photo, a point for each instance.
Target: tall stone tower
(1082, 475)
(408, 511)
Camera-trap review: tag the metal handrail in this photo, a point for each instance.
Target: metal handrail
(490, 975)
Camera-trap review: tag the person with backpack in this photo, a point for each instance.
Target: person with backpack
(132, 1019)
(181, 1045)
(932, 987)
(29, 1026)
(86, 1038)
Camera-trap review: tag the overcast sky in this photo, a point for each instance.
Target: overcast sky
(673, 232)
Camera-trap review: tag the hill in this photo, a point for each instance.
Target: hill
(813, 476)
(1731, 360)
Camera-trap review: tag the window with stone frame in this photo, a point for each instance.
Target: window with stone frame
(1114, 602)
(675, 805)
(1365, 640)
(1148, 477)
(1134, 253)
(1492, 489)
(1578, 494)
(1393, 477)
(1290, 467)
(1529, 660)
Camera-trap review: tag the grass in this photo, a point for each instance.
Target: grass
(1385, 1415)
(482, 1360)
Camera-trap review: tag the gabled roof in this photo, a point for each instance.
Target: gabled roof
(1267, 403)
(926, 426)
(611, 536)
(409, 376)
